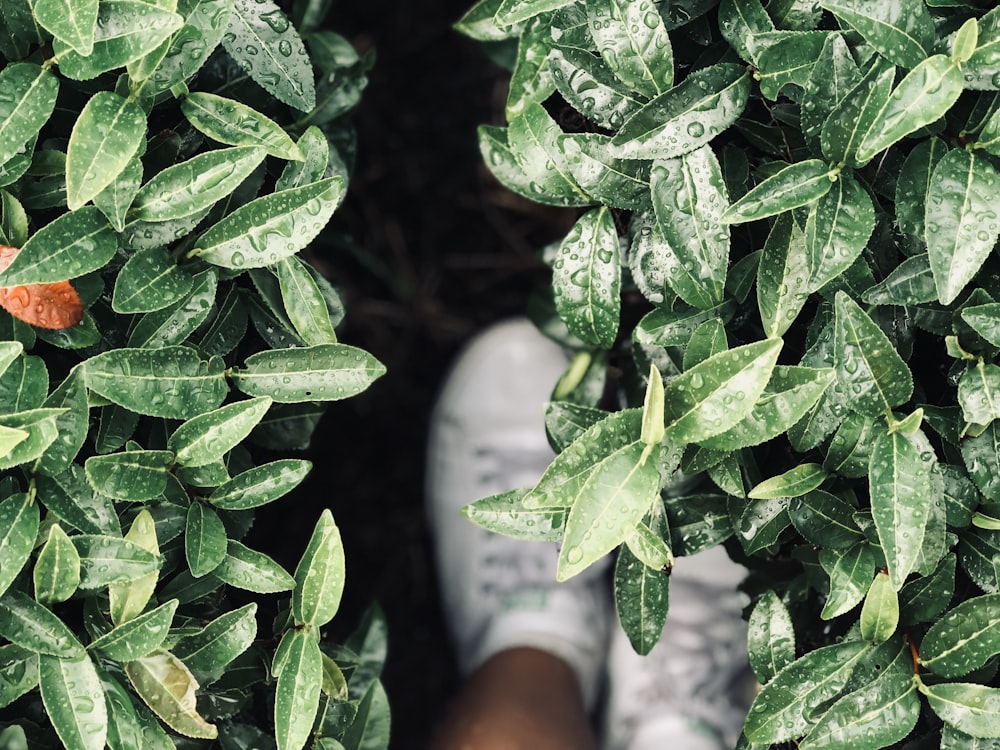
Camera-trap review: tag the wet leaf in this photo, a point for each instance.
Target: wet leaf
(72, 245)
(642, 598)
(296, 697)
(825, 520)
(850, 120)
(534, 141)
(505, 513)
(982, 460)
(21, 674)
(979, 393)
(687, 116)
(961, 224)
(837, 230)
(974, 709)
(19, 519)
(263, 42)
(260, 485)
(850, 573)
(923, 599)
(169, 689)
(964, 639)
(27, 98)
(477, 22)
(771, 637)
(250, 570)
(913, 184)
(788, 61)
(139, 636)
(633, 41)
(172, 325)
(108, 560)
(902, 32)
(304, 303)
(531, 80)
(70, 498)
(795, 482)
(319, 576)
(205, 539)
(210, 436)
(794, 186)
(134, 476)
(762, 523)
(589, 86)
(70, 22)
(834, 74)
(29, 625)
(619, 183)
(57, 569)
(74, 700)
(909, 283)
(782, 276)
(235, 124)
(880, 612)
(72, 425)
(698, 522)
(328, 372)
(741, 22)
(150, 280)
(220, 641)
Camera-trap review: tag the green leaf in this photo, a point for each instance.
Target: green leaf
(105, 137)
(910, 283)
(127, 728)
(925, 94)
(900, 497)
(795, 482)
(718, 393)
(534, 141)
(851, 119)
(984, 320)
(319, 576)
(642, 598)
(19, 519)
(879, 714)
(42, 429)
(172, 382)
(689, 196)
(218, 643)
(761, 524)
(30, 625)
(204, 539)
(72, 245)
(107, 560)
(972, 708)
(169, 689)
(957, 228)
(263, 42)
(634, 43)
(978, 393)
(57, 569)
(687, 116)
(902, 32)
(69, 497)
(914, 184)
(270, 228)
(296, 696)
(72, 424)
(825, 520)
(698, 522)
(793, 186)
(740, 22)
(782, 276)
(130, 475)
(789, 60)
(304, 303)
(172, 325)
(139, 636)
(72, 22)
(531, 80)
(74, 700)
(196, 184)
(925, 598)
(506, 514)
(837, 230)
(868, 366)
(477, 22)
(210, 436)
(964, 639)
(150, 280)
(27, 98)
(589, 86)
(770, 637)
(619, 183)
(260, 485)
(318, 373)
(880, 612)
(235, 124)
(250, 570)
(981, 455)
(586, 278)
(783, 709)
(125, 31)
(316, 149)
(850, 573)
(21, 674)
(833, 76)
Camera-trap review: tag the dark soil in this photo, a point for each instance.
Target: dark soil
(435, 250)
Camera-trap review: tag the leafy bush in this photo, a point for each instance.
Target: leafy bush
(163, 165)
(783, 276)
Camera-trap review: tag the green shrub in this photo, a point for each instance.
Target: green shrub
(782, 274)
(163, 163)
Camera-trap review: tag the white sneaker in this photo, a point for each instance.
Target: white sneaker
(487, 436)
(693, 690)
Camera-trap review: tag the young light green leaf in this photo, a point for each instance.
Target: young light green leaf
(642, 598)
(72, 245)
(974, 709)
(304, 303)
(108, 560)
(317, 373)
(235, 124)
(902, 32)
(851, 119)
(868, 366)
(652, 409)
(25, 622)
(782, 276)
(210, 436)
(634, 43)
(319, 576)
(74, 700)
(794, 186)
(925, 94)
(205, 539)
(770, 637)
(966, 41)
(260, 485)
(717, 394)
(19, 519)
(296, 697)
(880, 612)
(506, 514)
(534, 141)
(71, 22)
(250, 570)
(133, 476)
(900, 499)
(167, 686)
(172, 382)
(270, 228)
(964, 639)
(687, 116)
(107, 134)
(958, 229)
(689, 197)
(837, 230)
(196, 184)
(57, 569)
(218, 643)
(137, 637)
(586, 278)
(784, 708)
(263, 42)
(795, 482)
(27, 98)
(589, 86)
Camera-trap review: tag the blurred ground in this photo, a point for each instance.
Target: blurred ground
(438, 251)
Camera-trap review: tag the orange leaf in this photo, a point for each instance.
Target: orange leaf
(55, 305)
